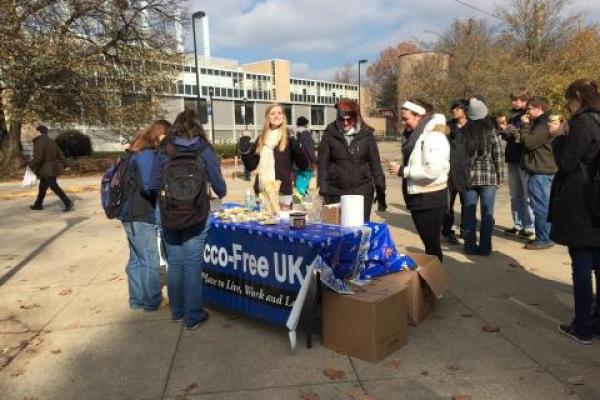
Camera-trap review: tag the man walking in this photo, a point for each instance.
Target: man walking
(47, 163)
(522, 213)
(538, 161)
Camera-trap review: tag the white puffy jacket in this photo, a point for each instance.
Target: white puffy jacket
(429, 163)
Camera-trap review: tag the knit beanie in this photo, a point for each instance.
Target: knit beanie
(477, 110)
(302, 121)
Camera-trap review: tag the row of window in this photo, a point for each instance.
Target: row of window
(307, 98)
(324, 85)
(191, 90)
(238, 75)
(244, 112)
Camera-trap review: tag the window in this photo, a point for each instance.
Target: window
(287, 108)
(199, 106)
(229, 92)
(203, 71)
(246, 118)
(204, 91)
(195, 90)
(317, 115)
(188, 89)
(180, 88)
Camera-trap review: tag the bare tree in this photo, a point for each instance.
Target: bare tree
(94, 61)
(346, 74)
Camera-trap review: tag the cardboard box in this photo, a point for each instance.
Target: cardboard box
(424, 285)
(331, 214)
(366, 324)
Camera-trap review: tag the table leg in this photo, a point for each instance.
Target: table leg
(292, 337)
(316, 300)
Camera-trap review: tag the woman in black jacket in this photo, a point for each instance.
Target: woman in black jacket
(577, 154)
(348, 161)
(273, 154)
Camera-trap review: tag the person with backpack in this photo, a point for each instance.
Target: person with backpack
(273, 155)
(349, 162)
(575, 203)
(46, 164)
(305, 137)
(186, 166)
(426, 164)
(457, 178)
(482, 149)
(138, 216)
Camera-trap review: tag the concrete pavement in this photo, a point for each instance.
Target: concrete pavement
(66, 331)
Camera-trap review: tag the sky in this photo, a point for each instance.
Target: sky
(319, 37)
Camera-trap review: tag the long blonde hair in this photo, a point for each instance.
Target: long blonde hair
(283, 141)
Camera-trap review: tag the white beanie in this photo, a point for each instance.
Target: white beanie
(477, 109)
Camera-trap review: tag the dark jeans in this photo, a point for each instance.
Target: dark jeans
(449, 214)
(428, 223)
(585, 260)
(367, 205)
(50, 182)
(539, 196)
(486, 196)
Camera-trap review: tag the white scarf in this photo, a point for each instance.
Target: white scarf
(266, 165)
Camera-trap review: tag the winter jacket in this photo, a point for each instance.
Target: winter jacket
(208, 156)
(48, 160)
(284, 160)
(140, 201)
(514, 150)
(537, 158)
(353, 168)
(429, 163)
(460, 163)
(571, 220)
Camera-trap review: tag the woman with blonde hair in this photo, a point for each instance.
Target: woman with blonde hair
(138, 217)
(273, 154)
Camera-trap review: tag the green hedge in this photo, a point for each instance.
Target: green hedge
(226, 150)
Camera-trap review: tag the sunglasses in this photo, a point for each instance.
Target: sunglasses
(347, 120)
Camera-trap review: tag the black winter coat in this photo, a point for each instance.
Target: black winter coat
(48, 160)
(349, 169)
(514, 150)
(571, 221)
(284, 160)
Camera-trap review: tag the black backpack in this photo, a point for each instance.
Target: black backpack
(592, 192)
(114, 186)
(184, 199)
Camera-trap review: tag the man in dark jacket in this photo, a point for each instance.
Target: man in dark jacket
(522, 213)
(538, 160)
(47, 163)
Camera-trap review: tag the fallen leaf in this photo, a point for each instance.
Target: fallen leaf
(44, 287)
(190, 388)
(65, 292)
(490, 328)
(533, 269)
(515, 265)
(462, 397)
(114, 278)
(309, 396)
(17, 373)
(576, 380)
(30, 306)
(57, 351)
(466, 315)
(357, 394)
(424, 373)
(334, 374)
(394, 364)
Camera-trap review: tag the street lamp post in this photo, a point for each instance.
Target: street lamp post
(212, 115)
(197, 14)
(244, 114)
(360, 62)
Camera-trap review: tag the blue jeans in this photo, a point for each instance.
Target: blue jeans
(584, 260)
(539, 195)
(184, 250)
(486, 195)
(143, 275)
(522, 213)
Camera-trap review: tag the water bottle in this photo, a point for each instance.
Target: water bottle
(249, 200)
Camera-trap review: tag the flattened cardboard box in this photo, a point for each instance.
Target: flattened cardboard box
(366, 324)
(424, 285)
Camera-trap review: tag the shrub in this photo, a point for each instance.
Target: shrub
(226, 150)
(74, 143)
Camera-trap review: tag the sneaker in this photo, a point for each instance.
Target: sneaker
(178, 319)
(511, 231)
(451, 239)
(36, 207)
(191, 327)
(570, 331)
(529, 235)
(538, 246)
(68, 207)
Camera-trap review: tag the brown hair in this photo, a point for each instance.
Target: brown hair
(585, 91)
(150, 138)
(187, 125)
(538, 102)
(283, 142)
(349, 107)
(520, 94)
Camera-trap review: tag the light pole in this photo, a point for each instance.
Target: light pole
(360, 62)
(244, 114)
(197, 14)
(212, 115)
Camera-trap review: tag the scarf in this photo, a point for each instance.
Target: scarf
(266, 164)
(409, 145)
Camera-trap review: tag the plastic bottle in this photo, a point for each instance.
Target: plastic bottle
(249, 200)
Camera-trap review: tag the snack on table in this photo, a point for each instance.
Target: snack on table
(239, 214)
